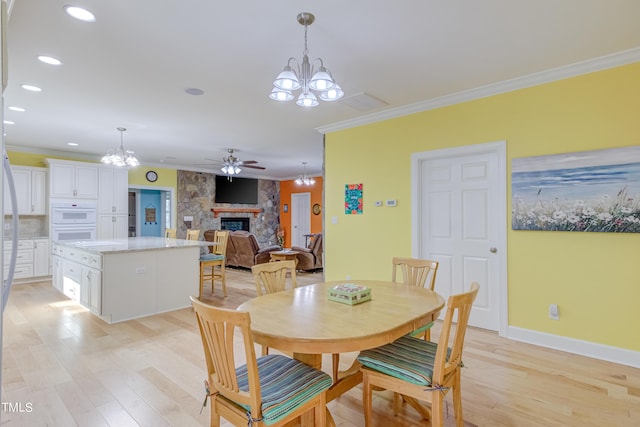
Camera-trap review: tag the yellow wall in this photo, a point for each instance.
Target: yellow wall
(32, 159)
(593, 277)
(166, 177)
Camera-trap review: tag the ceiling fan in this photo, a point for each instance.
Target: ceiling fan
(231, 165)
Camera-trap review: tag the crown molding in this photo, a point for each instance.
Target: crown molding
(93, 158)
(584, 67)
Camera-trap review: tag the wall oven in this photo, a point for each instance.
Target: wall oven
(73, 221)
(74, 233)
(65, 214)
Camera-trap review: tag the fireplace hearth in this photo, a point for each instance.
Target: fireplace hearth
(233, 224)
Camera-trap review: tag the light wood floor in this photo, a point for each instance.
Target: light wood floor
(71, 369)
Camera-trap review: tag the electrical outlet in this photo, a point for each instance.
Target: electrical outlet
(554, 314)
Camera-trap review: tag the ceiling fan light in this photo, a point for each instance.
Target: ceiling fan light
(287, 80)
(332, 94)
(307, 100)
(322, 80)
(281, 95)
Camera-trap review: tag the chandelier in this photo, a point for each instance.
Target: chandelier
(304, 179)
(231, 165)
(310, 77)
(121, 157)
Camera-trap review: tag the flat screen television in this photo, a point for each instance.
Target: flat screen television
(238, 190)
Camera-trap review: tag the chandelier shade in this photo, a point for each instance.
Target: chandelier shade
(120, 156)
(306, 76)
(304, 179)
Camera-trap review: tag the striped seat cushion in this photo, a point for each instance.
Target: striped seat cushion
(211, 257)
(408, 358)
(285, 385)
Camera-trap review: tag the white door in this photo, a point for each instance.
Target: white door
(459, 214)
(300, 218)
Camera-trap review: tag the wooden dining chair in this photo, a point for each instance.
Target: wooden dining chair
(421, 370)
(416, 272)
(269, 390)
(271, 277)
(193, 234)
(215, 261)
(170, 233)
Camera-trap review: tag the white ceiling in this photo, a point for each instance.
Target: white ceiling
(130, 68)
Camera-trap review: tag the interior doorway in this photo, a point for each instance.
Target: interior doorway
(151, 210)
(459, 216)
(300, 218)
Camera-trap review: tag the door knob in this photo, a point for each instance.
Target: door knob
(493, 250)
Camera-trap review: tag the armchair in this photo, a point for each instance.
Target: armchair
(243, 250)
(310, 258)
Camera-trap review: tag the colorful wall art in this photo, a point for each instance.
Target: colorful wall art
(353, 199)
(583, 191)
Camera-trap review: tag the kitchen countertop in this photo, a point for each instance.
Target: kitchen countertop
(133, 244)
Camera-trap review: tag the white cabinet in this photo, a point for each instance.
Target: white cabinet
(114, 191)
(71, 278)
(113, 203)
(58, 272)
(31, 191)
(32, 258)
(40, 257)
(73, 180)
(113, 227)
(91, 289)
(78, 275)
(24, 259)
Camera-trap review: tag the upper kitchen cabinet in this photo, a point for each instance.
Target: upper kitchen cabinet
(73, 180)
(31, 191)
(114, 191)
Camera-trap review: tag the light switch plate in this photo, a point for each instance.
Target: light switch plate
(391, 203)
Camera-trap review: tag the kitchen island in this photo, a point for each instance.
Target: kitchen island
(129, 278)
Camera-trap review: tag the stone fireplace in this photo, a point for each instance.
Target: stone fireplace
(234, 223)
(196, 195)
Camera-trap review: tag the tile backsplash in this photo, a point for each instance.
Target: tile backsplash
(28, 227)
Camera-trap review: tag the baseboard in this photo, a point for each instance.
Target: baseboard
(575, 346)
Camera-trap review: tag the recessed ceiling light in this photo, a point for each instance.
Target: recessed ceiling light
(9, 122)
(49, 60)
(194, 91)
(73, 144)
(22, 110)
(80, 13)
(31, 88)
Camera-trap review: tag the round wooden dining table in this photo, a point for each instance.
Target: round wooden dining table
(303, 321)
